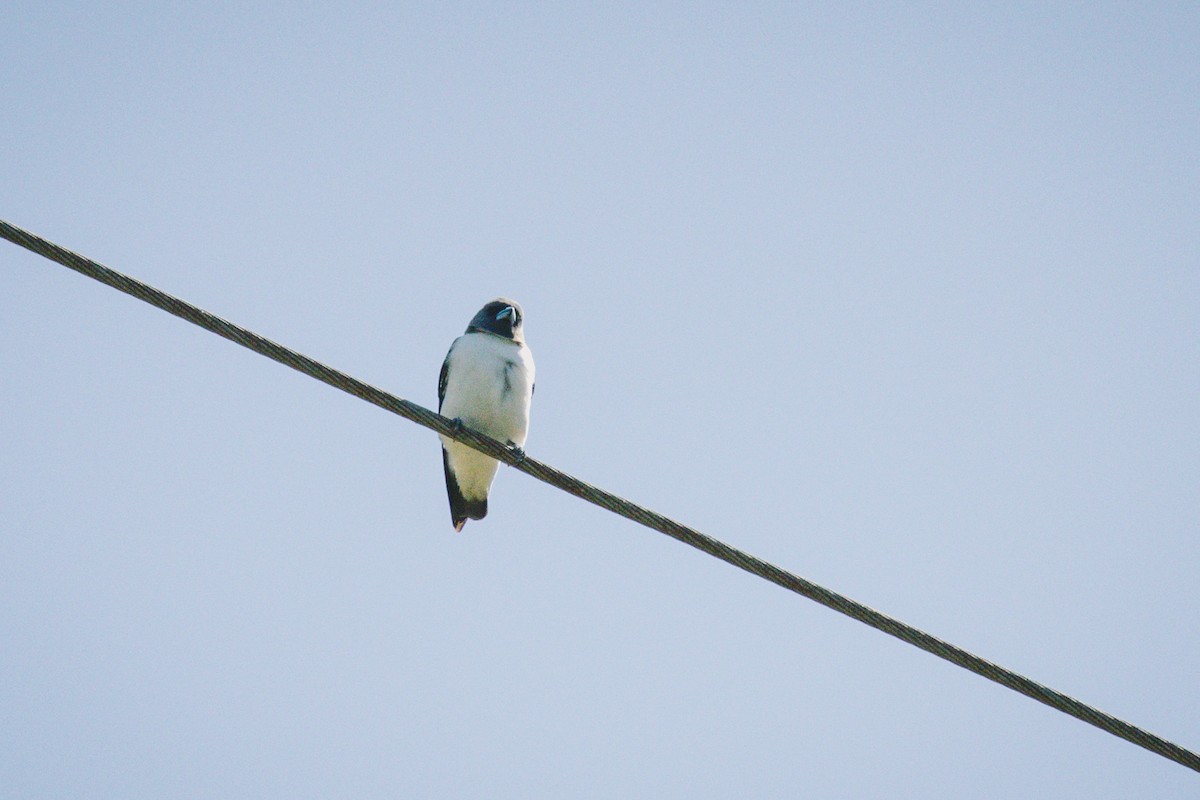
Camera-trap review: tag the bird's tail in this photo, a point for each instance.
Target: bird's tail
(461, 509)
(467, 509)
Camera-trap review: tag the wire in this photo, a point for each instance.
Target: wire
(607, 500)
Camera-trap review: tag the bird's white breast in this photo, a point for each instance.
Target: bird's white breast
(489, 386)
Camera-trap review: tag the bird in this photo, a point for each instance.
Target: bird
(486, 384)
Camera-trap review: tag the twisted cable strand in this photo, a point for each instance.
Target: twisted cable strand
(607, 500)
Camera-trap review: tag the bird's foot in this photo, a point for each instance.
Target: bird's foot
(517, 453)
(457, 424)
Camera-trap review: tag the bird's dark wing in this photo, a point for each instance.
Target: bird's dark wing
(442, 381)
(458, 504)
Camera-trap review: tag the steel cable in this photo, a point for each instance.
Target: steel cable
(607, 500)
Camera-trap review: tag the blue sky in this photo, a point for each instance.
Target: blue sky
(903, 299)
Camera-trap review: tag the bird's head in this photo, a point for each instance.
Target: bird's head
(500, 317)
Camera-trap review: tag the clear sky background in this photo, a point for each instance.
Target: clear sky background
(904, 298)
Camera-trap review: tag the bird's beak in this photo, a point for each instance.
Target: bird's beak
(507, 312)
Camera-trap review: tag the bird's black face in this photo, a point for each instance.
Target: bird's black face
(501, 317)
